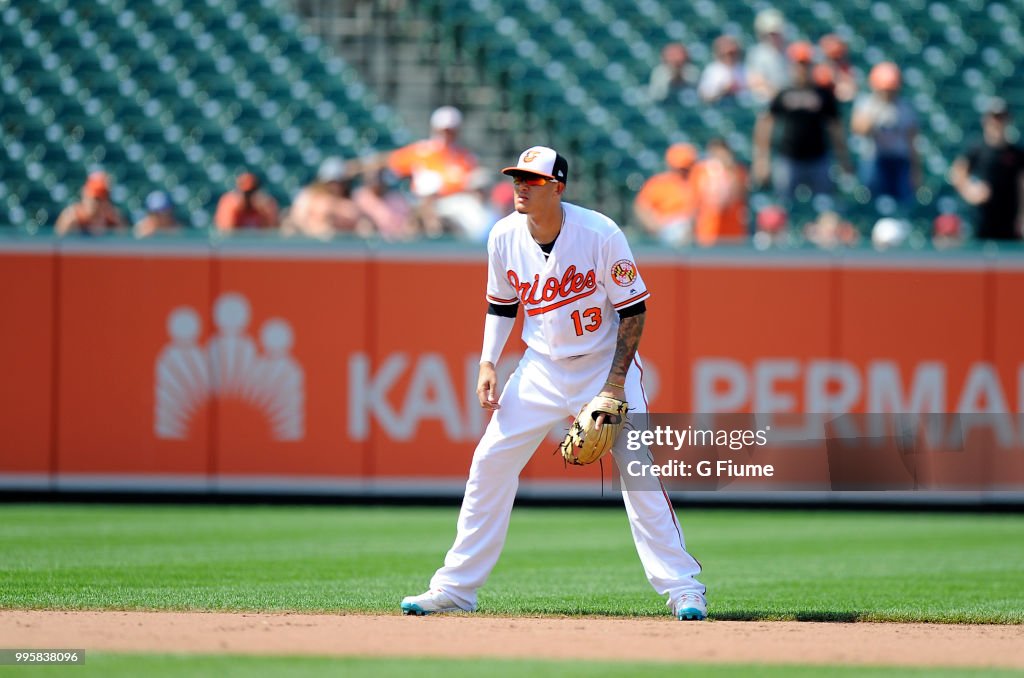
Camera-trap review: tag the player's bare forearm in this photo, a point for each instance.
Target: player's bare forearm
(626, 344)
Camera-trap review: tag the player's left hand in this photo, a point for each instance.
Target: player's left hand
(610, 392)
(594, 430)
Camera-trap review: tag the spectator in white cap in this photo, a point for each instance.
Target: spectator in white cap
(325, 208)
(159, 217)
(446, 118)
(439, 168)
(767, 66)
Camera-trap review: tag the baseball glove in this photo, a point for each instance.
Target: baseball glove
(584, 443)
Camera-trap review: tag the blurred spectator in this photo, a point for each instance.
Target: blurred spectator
(767, 68)
(673, 75)
(720, 186)
(385, 206)
(94, 214)
(889, 232)
(836, 71)
(771, 225)
(810, 131)
(990, 176)
(440, 168)
(947, 231)
(246, 207)
(725, 77)
(829, 231)
(325, 208)
(888, 124)
(468, 214)
(159, 216)
(502, 199)
(666, 203)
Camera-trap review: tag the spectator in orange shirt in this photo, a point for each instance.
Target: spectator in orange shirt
(159, 217)
(325, 208)
(94, 214)
(440, 168)
(720, 187)
(666, 203)
(246, 207)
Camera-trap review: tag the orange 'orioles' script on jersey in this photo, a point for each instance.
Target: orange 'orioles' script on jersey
(572, 296)
(572, 283)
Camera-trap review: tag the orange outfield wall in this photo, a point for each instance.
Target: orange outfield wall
(356, 369)
(321, 303)
(113, 315)
(27, 298)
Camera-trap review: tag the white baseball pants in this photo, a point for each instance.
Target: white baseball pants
(541, 394)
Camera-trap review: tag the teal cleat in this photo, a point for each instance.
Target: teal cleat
(691, 607)
(429, 603)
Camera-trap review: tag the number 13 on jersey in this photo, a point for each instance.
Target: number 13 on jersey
(593, 315)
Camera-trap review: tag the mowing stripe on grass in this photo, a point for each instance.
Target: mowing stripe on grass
(201, 666)
(806, 565)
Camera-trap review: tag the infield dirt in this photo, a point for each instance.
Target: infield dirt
(466, 636)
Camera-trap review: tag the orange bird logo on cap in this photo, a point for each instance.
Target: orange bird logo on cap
(530, 156)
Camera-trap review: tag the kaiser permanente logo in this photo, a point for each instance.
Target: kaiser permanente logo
(229, 366)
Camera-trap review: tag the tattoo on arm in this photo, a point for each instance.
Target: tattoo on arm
(626, 344)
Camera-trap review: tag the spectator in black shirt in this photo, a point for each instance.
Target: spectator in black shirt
(810, 130)
(990, 176)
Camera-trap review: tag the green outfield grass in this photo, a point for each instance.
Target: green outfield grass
(757, 564)
(228, 666)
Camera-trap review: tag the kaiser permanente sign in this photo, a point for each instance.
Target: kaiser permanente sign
(355, 366)
(720, 385)
(840, 386)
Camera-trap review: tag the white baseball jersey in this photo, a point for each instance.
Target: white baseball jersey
(571, 298)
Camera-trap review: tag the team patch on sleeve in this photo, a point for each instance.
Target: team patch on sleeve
(623, 272)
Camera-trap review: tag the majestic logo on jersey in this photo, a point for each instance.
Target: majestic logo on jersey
(573, 285)
(623, 272)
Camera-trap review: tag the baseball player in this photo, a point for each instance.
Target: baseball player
(572, 271)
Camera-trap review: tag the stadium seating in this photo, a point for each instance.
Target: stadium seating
(577, 71)
(184, 95)
(174, 95)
